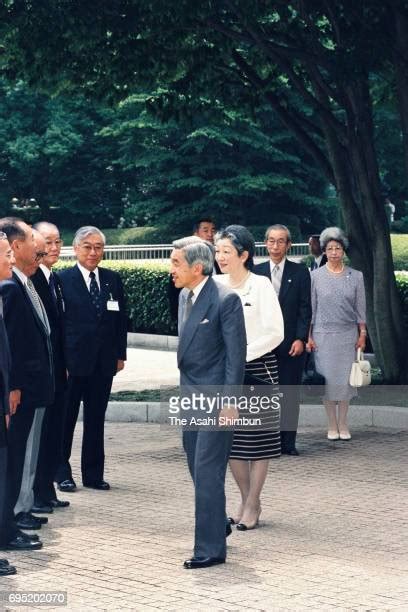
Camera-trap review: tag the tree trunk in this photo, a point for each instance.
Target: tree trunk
(401, 74)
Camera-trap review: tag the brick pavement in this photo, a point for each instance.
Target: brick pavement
(333, 532)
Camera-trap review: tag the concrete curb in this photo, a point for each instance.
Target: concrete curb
(310, 415)
(152, 341)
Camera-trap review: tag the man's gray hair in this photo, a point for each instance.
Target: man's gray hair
(278, 226)
(197, 251)
(333, 233)
(85, 231)
(43, 226)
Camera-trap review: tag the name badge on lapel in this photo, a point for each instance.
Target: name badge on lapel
(112, 305)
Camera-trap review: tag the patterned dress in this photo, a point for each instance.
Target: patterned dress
(338, 304)
(264, 329)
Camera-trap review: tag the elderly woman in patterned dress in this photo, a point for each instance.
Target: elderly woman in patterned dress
(338, 328)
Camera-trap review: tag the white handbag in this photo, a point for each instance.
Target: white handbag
(360, 375)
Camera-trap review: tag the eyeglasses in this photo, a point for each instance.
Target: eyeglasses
(40, 255)
(279, 242)
(98, 248)
(334, 248)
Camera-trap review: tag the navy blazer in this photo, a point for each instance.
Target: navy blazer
(295, 302)
(5, 363)
(90, 341)
(30, 347)
(55, 312)
(212, 343)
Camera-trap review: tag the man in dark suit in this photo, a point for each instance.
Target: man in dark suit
(211, 352)
(48, 287)
(205, 229)
(319, 258)
(292, 285)
(6, 268)
(31, 375)
(95, 350)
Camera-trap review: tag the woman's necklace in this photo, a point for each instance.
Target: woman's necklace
(239, 283)
(335, 271)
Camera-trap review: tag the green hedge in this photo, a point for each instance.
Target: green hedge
(146, 287)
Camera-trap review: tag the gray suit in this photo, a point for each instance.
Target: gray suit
(212, 351)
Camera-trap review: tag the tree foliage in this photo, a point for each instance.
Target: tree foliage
(311, 61)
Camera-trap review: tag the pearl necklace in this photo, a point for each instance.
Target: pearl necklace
(241, 282)
(335, 271)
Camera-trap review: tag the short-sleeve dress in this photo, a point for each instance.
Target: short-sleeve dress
(264, 329)
(338, 307)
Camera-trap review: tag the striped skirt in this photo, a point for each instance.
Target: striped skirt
(253, 444)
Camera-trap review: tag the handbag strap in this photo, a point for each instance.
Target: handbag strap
(360, 355)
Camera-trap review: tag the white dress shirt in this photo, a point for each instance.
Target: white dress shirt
(85, 273)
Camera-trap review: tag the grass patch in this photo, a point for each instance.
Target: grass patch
(400, 251)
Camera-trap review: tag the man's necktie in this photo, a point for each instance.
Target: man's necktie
(53, 290)
(276, 279)
(39, 308)
(188, 306)
(95, 294)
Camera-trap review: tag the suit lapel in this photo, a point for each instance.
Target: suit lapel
(37, 319)
(198, 311)
(287, 279)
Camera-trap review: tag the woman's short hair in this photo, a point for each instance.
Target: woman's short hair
(196, 251)
(336, 234)
(242, 240)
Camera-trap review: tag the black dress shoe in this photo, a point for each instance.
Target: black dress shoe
(100, 485)
(32, 537)
(4, 562)
(22, 543)
(58, 503)
(200, 562)
(42, 508)
(7, 570)
(43, 520)
(290, 451)
(24, 520)
(67, 486)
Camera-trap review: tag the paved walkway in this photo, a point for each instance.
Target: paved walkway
(147, 369)
(333, 533)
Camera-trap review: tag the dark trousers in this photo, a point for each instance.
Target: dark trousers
(207, 456)
(50, 454)
(7, 528)
(94, 392)
(290, 378)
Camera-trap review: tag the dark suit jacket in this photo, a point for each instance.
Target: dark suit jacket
(91, 342)
(5, 363)
(212, 345)
(30, 347)
(294, 299)
(323, 261)
(55, 313)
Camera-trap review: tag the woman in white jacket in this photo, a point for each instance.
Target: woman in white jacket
(253, 446)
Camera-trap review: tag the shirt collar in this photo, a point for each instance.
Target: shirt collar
(20, 275)
(281, 264)
(46, 271)
(85, 273)
(198, 288)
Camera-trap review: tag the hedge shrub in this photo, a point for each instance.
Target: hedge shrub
(146, 287)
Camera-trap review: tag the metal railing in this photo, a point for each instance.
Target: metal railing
(161, 252)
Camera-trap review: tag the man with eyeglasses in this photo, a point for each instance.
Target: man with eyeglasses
(48, 287)
(31, 380)
(95, 350)
(291, 282)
